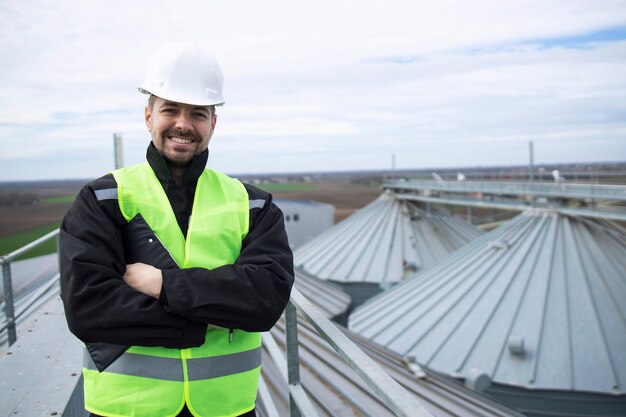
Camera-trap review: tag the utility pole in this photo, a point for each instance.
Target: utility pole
(531, 169)
(393, 165)
(117, 150)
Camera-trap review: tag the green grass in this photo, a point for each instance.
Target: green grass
(15, 241)
(275, 187)
(63, 199)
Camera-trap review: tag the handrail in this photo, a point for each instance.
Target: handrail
(9, 301)
(391, 393)
(39, 295)
(28, 247)
(560, 189)
(614, 214)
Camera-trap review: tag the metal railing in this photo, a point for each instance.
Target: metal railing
(518, 196)
(9, 300)
(608, 212)
(388, 391)
(559, 190)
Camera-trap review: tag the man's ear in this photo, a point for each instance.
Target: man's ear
(213, 122)
(147, 116)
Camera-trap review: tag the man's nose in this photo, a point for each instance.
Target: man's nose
(183, 122)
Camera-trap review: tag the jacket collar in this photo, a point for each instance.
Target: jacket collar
(162, 171)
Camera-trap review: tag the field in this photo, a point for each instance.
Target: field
(344, 195)
(28, 206)
(30, 210)
(9, 243)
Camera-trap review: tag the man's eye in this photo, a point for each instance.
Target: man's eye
(200, 115)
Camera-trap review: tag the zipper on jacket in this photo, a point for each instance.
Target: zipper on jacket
(230, 335)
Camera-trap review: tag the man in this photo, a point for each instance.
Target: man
(169, 270)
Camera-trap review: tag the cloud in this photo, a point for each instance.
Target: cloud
(321, 86)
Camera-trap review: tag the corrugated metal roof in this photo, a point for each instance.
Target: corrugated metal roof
(336, 391)
(538, 303)
(331, 300)
(384, 242)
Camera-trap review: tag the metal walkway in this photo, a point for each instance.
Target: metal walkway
(517, 196)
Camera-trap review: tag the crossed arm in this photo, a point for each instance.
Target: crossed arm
(144, 278)
(108, 301)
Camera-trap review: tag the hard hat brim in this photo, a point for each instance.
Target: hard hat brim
(195, 103)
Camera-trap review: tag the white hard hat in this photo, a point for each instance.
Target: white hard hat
(185, 73)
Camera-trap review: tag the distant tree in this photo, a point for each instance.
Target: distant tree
(17, 198)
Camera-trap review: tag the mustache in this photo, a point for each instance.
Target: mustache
(181, 134)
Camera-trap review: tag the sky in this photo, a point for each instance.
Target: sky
(320, 86)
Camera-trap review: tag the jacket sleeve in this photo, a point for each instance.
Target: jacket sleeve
(99, 305)
(250, 294)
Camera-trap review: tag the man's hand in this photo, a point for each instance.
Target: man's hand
(144, 278)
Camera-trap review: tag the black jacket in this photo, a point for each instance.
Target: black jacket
(249, 295)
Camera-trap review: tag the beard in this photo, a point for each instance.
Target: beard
(178, 162)
(170, 154)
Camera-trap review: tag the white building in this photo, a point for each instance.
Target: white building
(305, 220)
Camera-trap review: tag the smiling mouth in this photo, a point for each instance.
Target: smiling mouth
(178, 139)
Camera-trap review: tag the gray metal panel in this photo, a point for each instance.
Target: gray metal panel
(359, 292)
(384, 243)
(537, 303)
(330, 299)
(336, 391)
(540, 403)
(39, 372)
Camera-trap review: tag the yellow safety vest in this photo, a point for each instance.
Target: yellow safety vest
(217, 379)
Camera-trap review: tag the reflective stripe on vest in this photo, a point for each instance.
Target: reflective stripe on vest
(216, 379)
(171, 369)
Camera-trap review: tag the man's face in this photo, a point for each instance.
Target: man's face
(179, 131)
